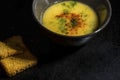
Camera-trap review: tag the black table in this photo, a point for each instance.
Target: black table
(99, 59)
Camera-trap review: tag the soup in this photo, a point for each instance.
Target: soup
(70, 18)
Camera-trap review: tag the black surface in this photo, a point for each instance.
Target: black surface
(97, 60)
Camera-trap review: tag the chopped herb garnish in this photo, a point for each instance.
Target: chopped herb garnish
(65, 11)
(63, 29)
(63, 4)
(73, 3)
(74, 22)
(62, 21)
(68, 6)
(85, 15)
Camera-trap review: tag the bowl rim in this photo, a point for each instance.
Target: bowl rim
(95, 32)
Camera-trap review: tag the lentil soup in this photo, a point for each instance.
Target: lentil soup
(70, 18)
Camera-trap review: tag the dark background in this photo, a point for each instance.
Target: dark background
(99, 59)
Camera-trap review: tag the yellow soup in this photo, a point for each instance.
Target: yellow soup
(70, 18)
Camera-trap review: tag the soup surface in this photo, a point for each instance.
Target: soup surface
(70, 18)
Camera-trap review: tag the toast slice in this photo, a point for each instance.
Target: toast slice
(18, 63)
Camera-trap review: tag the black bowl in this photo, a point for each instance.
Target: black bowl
(102, 8)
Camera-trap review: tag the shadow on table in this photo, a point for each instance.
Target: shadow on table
(48, 51)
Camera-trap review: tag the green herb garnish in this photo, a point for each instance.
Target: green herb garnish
(73, 22)
(65, 11)
(63, 29)
(73, 3)
(63, 4)
(85, 15)
(62, 23)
